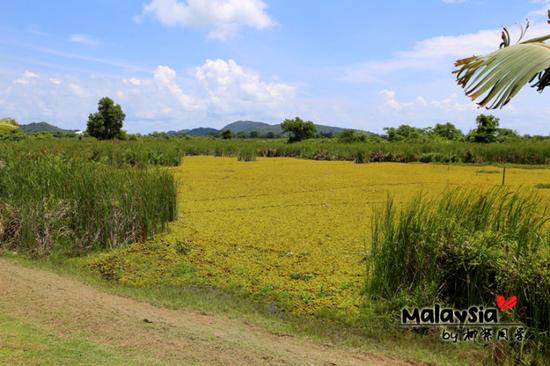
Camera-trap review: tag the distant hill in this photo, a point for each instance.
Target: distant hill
(249, 126)
(263, 128)
(200, 131)
(36, 127)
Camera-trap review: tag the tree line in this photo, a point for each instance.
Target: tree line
(108, 121)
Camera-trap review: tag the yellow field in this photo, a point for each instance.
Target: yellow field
(288, 230)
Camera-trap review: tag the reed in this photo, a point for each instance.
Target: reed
(463, 249)
(168, 151)
(51, 203)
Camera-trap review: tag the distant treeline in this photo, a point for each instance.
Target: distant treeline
(486, 130)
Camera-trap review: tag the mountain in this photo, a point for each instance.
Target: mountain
(42, 127)
(261, 128)
(200, 131)
(248, 126)
(264, 128)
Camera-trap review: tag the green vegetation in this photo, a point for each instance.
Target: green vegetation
(118, 153)
(58, 204)
(486, 129)
(227, 134)
(68, 196)
(41, 127)
(247, 154)
(466, 248)
(141, 151)
(24, 344)
(298, 129)
(443, 143)
(107, 123)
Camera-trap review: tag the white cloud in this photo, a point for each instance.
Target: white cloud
(26, 79)
(434, 53)
(224, 32)
(83, 39)
(448, 104)
(214, 93)
(223, 17)
(230, 87)
(454, 1)
(77, 90)
(133, 81)
(166, 78)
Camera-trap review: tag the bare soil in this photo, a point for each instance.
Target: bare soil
(147, 334)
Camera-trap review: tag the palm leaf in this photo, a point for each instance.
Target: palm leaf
(499, 76)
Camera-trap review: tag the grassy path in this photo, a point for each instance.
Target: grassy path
(46, 318)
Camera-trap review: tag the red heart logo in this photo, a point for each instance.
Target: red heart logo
(506, 304)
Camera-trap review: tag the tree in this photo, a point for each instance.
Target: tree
(254, 134)
(486, 130)
(227, 134)
(349, 136)
(447, 131)
(404, 132)
(499, 76)
(298, 129)
(107, 122)
(506, 135)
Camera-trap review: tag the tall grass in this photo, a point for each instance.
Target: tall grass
(462, 249)
(118, 153)
(168, 152)
(523, 152)
(50, 203)
(246, 154)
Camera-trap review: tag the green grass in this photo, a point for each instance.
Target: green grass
(22, 343)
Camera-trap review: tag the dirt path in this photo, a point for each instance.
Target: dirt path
(66, 307)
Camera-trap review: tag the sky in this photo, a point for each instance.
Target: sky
(178, 64)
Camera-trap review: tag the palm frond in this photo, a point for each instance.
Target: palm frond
(496, 78)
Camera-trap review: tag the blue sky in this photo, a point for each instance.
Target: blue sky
(175, 64)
